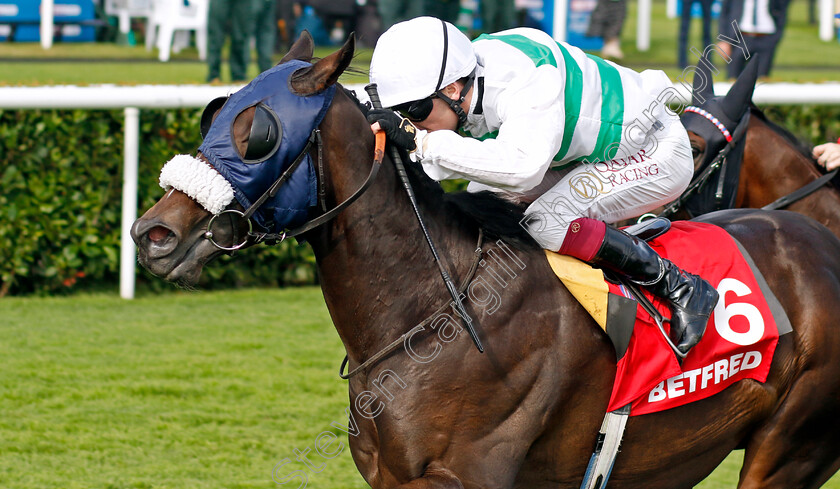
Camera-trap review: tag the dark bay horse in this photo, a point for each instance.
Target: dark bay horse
(774, 163)
(526, 412)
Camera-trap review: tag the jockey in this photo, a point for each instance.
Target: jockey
(506, 109)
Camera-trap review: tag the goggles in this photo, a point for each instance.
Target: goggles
(417, 111)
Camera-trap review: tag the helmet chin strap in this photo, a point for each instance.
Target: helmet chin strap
(455, 105)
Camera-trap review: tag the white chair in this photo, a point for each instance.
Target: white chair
(124, 10)
(171, 16)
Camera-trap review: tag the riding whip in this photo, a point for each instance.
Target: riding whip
(398, 163)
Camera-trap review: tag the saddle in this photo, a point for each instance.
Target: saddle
(739, 342)
(742, 332)
(589, 286)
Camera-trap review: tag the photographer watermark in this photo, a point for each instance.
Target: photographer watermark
(496, 272)
(629, 163)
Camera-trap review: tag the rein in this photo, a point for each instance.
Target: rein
(401, 340)
(447, 280)
(801, 192)
(275, 238)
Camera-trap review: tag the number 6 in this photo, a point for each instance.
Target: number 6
(723, 313)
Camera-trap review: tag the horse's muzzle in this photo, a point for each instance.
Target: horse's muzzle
(153, 238)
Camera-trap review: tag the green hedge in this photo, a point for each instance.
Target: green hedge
(60, 186)
(60, 203)
(812, 124)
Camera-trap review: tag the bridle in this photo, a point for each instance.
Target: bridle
(718, 164)
(251, 237)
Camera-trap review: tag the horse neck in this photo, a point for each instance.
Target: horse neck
(377, 272)
(772, 167)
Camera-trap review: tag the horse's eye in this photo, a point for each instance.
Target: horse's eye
(695, 151)
(266, 133)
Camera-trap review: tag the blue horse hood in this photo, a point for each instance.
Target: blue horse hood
(298, 116)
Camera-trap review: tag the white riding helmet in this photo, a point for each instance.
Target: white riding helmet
(408, 58)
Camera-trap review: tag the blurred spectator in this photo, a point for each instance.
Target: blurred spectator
(393, 11)
(308, 20)
(338, 17)
(497, 15)
(761, 23)
(606, 22)
(265, 32)
(228, 17)
(285, 24)
(685, 28)
(368, 23)
(447, 10)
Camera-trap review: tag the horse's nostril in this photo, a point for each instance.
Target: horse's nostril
(158, 233)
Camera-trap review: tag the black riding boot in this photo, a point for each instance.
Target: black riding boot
(691, 298)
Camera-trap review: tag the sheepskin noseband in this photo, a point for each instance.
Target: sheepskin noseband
(198, 180)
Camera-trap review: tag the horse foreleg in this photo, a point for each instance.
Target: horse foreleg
(434, 478)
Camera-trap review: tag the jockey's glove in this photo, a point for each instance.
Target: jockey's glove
(398, 130)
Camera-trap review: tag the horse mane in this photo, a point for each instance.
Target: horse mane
(795, 142)
(499, 218)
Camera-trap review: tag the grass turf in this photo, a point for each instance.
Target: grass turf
(801, 57)
(204, 389)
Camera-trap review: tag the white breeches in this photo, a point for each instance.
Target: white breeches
(624, 187)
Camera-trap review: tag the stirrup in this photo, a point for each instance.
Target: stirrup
(658, 318)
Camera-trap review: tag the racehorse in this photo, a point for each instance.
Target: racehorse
(525, 413)
(774, 163)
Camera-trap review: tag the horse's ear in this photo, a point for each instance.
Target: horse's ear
(704, 85)
(325, 72)
(301, 50)
(740, 94)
